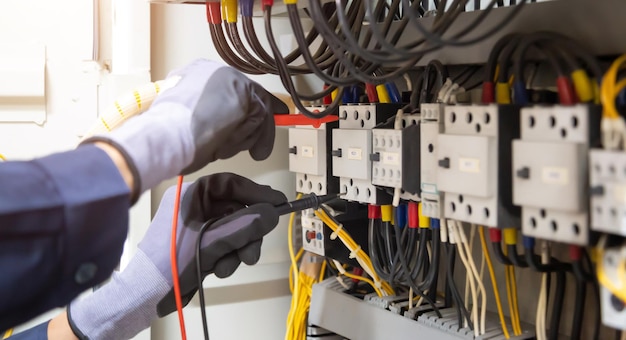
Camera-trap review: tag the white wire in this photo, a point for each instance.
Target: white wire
(540, 321)
(481, 287)
(472, 283)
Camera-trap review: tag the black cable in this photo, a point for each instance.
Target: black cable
(284, 73)
(553, 265)
(200, 277)
(514, 257)
(497, 250)
(411, 282)
(453, 288)
(557, 305)
(579, 307)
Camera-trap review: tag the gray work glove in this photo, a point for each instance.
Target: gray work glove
(128, 304)
(213, 112)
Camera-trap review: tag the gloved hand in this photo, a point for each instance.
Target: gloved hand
(213, 112)
(128, 304)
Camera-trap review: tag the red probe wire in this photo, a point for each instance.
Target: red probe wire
(174, 262)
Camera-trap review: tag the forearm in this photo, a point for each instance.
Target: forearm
(122, 165)
(59, 328)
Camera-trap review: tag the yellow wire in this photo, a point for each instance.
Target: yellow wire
(604, 280)
(8, 333)
(294, 272)
(364, 279)
(291, 267)
(512, 296)
(494, 282)
(322, 272)
(354, 248)
(518, 325)
(608, 89)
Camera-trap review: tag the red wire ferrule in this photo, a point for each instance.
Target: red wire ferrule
(372, 95)
(358, 272)
(413, 215)
(266, 3)
(575, 253)
(213, 12)
(565, 88)
(373, 212)
(488, 92)
(495, 235)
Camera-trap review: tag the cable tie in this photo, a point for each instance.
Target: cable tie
(334, 234)
(353, 253)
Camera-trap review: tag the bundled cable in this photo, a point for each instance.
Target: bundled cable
(381, 287)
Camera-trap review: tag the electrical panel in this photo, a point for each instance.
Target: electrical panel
(473, 160)
(550, 171)
(608, 191)
(308, 158)
(431, 125)
(395, 157)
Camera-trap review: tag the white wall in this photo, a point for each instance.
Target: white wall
(253, 303)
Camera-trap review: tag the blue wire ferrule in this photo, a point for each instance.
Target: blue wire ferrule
(520, 93)
(246, 7)
(401, 215)
(434, 223)
(346, 97)
(393, 92)
(355, 94)
(528, 242)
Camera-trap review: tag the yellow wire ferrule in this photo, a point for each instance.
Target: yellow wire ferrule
(424, 221)
(383, 95)
(386, 212)
(229, 10)
(290, 2)
(582, 85)
(503, 93)
(510, 236)
(334, 94)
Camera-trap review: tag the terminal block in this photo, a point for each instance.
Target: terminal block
(395, 156)
(309, 153)
(608, 191)
(550, 171)
(431, 125)
(474, 164)
(352, 148)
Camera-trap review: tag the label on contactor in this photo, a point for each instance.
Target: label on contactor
(307, 151)
(469, 165)
(355, 154)
(555, 175)
(390, 158)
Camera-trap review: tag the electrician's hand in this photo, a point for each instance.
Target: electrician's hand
(213, 112)
(128, 304)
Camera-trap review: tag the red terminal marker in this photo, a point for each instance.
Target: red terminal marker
(298, 119)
